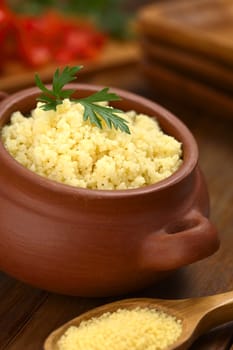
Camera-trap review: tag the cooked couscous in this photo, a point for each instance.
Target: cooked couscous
(61, 146)
(137, 329)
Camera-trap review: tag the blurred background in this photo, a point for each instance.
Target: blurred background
(176, 47)
(39, 35)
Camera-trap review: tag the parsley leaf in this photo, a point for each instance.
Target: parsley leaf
(53, 98)
(97, 112)
(92, 110)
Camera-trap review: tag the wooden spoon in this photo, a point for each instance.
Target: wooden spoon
(198, 315)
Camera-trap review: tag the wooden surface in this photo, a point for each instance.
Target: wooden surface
(199, 26)
(169, 81)
(28, 315)
(188, 49)
(115, 53)
(195, 67)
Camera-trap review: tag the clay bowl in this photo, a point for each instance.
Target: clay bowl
(96, 242)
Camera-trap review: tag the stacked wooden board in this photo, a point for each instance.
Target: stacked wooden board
(188, 51)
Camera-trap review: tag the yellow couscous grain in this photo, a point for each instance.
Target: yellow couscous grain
(61, 146)
(136, 329)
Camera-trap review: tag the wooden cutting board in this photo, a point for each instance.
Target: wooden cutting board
(115, 54)
(166, 82)
(189, 64)
(201, 26)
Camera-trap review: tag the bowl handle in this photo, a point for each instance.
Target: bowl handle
(3, 95)
(181, 243)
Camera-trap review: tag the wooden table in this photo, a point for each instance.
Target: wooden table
(28, 315)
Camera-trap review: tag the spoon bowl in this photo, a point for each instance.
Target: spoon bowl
(197, 315)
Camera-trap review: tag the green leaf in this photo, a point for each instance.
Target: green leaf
(95, 113)
(49, 106)
(61, 79)
(89, 113)
(66, 93)
(41, 85)
(44, 99)
(92, 111)
(101, 96)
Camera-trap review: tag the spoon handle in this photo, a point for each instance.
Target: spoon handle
(211, 311)
(219, 309)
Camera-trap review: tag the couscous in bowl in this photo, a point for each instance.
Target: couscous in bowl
(90, 242)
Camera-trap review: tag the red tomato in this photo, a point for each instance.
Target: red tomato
(47, 39)
(7, 33)
(35, 55)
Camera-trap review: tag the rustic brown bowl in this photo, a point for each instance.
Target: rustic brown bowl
(98, 242)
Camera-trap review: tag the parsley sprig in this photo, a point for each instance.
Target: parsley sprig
(96, 113)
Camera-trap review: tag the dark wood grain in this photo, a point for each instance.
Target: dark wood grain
(219, 339)
(18, 303)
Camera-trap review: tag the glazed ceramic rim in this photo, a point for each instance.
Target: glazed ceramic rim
(186, 138)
